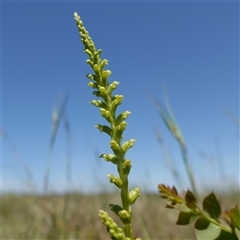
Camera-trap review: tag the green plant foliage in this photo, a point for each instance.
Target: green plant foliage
(185, 218)
(206, 230)
(211, 223)
(212, 206)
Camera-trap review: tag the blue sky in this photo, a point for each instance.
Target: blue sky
(190, 47)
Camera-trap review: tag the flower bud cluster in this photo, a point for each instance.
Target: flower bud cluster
(115, 231)
(103, 89)
(108, 107)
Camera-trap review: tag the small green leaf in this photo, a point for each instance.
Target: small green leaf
(182, 207)
(235, 217)
(185, 218)
(212, 206)
(190, 200)
(205, 230)
(97, 93)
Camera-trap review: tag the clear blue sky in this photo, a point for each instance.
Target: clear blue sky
(191, 47)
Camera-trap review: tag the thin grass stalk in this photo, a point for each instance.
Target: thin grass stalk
(168, 159)
(188, 169)
(171, 123)
(57, 115)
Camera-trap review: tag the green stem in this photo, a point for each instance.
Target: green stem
(124, 196)
(125, 204)
(124, 178)
(211, 220)
(189, 171)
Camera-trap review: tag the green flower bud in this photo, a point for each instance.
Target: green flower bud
(103, 63)
(103, 215)
(97, 72)
(112, 87)
(115, 208)
(128, 145)
(120, 236)
(89, 53)
(112, 227)
(83, 29)
(92, 84)
(103, 91)
(105, 75)
(114, 106)
(76, 16)
(98, 53)
(117, 181)
(89, 62)
(125, 216)
(110, 158)
(84, 38)
(113, 234)
(115, 146)
(118, 97)
(90, 76)
(122, 126)
(96, 68)
(126, 167)
(122, 117)
(91, 47)
(119, 132)
(105, 129)
(133, 195)
(106, 114)
(98, 103)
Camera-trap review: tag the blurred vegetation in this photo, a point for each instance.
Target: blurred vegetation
(75, 216)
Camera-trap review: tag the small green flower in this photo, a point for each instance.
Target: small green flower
(133, 195)
(126, 167)
(110, 158)
(117, 181)
(128, 145)
(125, 216)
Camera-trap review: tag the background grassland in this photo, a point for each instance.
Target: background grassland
(75, 216)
